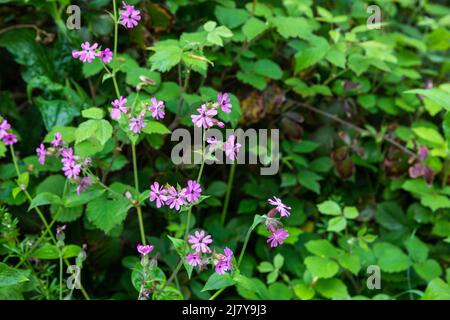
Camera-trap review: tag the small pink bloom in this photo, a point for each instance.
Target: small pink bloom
(4, 127)
(224, 102)
(88, 53)
(200, 242)
(119, 107)
(231, 147)
(136, 124)
(193, 191)
(42, 153)
(157, 108)
(194, 259)
(205, 117)
(57, 140)
(83, 185)
(130, 16)
(277, 238)
(175, 199)
(72, 171)
(106, 55)
(157, 193)
(9, 139)
(283, 209)
(144, 250)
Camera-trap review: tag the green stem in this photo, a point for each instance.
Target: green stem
(41, 216)
(136, 186)
(241, 256)
(227, 196)
(188, 219)
(116, 29)
(60, 273)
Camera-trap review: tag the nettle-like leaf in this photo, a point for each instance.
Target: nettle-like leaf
(105, 214)
(390, 258)
(167, 54)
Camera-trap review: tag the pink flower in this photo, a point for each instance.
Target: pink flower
(83, 185)
(277, 238)
(157, 108)
(136, 124)
(194, 259)
(157, 193)
(193, 191)
(106, 55)
(231, 147)
(200, 242)
(9, 139)
(4, 127)
(88, 53)
(119, 107)
(57, 140)
(423, 153)
(204, 118)
(221, 267)
(144, 250)
(42, 153)
(174, 198)
(130, 16)
(68, 158)
(280, 206)
(72, 171)
(224, 102)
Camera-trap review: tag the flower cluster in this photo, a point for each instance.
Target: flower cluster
(203, 255)
(207, 112)
(129, 17)
(136, 123)
(72, 164)
(273, 225)
(175, 198)
(418, 168)
(90, 52)
(231, 146)
(7, 137)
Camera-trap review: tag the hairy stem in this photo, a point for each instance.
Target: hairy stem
(227, 196)
(136, 186)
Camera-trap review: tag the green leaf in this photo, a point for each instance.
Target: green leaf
(252, 28)
(337, 224)
(304, 292)
(329, 207)
(436, 95)
(290, 27)
(217, 281)
(93, 113)
(46, 252)
(350, 262)
(417, 249)
(155, 127)
(101, 130)
(265, 267)
(429, 134)
(390, 215)
(390, 258)
(44, 198)
(167, 55)
(309, 179)
(106, 214)
(321, 267)
(428, 270)
(56, 112)
(182, 248)
(437, 289)
(11, 276)
(231, 17)
(351, 212)
(278, 261)
(322, 248)
(268, 68)
(90, 69)
(332, 288)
